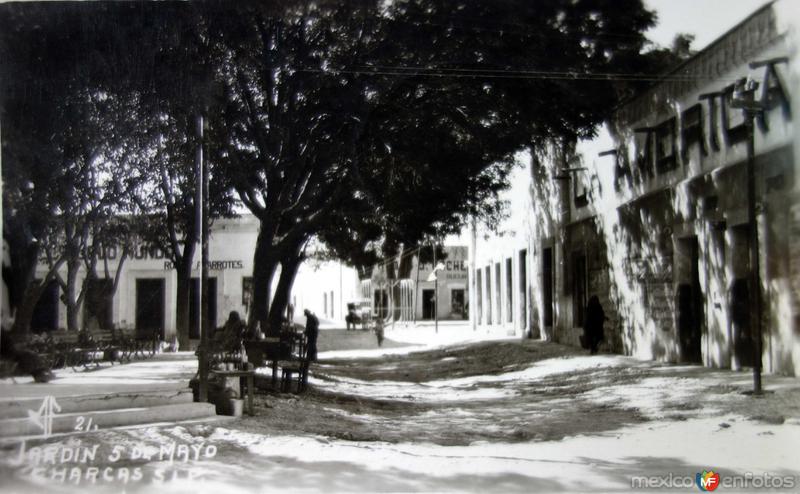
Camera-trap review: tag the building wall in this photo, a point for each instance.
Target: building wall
(453, 277)
(416, 296)
(231, 246)
(656, 203)
(504, 309)
(325, 288)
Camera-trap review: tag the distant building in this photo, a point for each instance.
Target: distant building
(325, 288)
(420, 297)
(146, 296)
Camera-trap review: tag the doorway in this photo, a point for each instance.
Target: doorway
(690, 313)
(739, 298)
(97, 309)
(149, 307)
(428, 304)
(509, 291)
(488, 278)
(523, 284)
(457, 303)
(547, 285)
(479, 295)
(580, 288)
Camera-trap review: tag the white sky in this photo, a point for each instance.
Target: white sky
(706, 19)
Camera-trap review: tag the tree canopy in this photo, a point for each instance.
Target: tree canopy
(369, 125)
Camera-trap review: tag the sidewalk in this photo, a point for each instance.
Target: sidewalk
(162, 372)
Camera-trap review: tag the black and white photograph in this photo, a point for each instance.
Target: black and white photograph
(400, 246)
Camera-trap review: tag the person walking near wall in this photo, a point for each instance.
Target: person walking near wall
(593, 325)
(312, 331)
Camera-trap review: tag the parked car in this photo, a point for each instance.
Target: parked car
(358, 312)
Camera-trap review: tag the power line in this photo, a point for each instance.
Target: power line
(463, 73)
(521, 29)
(555, 73)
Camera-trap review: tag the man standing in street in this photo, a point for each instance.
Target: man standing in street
(312, 331)
(379, 330)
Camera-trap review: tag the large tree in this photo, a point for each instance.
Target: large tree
(62, 141)
(405, 113)
(287, 138)
(95, 86)
(416, 108)
(458, 88)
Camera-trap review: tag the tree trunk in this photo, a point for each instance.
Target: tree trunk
(70, 297)
(109, 294)
(406, 263)
(182, 303)
(24, 312)
(289, 267)
(264, 265)
(392, 291)
(23, 292)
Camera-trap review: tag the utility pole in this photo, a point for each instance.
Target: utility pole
(744, 98)
(473, 290)
(416, 288)
(201, 226)
(435, 292)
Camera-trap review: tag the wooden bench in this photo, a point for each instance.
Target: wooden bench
(267, 353)
(289, 352)
(296, 364)
(70, 348)
(44, 345)
(106, 345)
(146, 341)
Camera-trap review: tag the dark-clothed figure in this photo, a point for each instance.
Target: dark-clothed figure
(379, 330)
(312, 331)
(290, 313)
(234, 324)
(229, 337)
(351, 318)
(593, 325)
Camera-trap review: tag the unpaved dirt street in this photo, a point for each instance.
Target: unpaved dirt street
(493, 416)
(481, 392)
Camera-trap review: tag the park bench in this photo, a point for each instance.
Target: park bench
(62, 348)
(296, 364)
(44, 346)
(142, 343)
(267, 353)
(67, 349)
(105, 346)
(83, 348)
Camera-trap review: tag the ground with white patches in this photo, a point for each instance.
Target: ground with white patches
(473, 416)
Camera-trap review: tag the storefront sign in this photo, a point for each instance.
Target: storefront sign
(212, 266)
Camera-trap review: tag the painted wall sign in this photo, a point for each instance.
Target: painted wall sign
(212, 265)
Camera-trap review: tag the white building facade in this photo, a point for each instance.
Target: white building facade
(147, 290)
(651, 216)
(501, 272)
